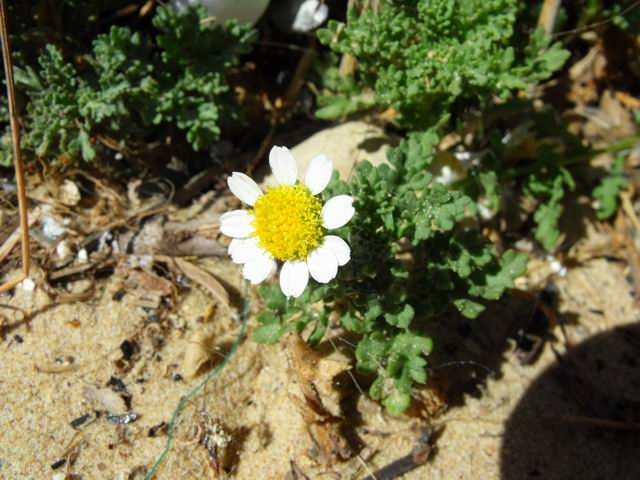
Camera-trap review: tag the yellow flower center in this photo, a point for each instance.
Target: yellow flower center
(288, 221)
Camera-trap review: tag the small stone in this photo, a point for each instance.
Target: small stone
(63, 250)
(69, 194)
(346, 145)
(83, 256)
(28, 285)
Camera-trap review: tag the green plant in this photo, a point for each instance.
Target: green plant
(344, 97)
(606, 193)
(131, 85)
(422, 56)
(528, 152)
(604, 15)
(413, 260)
(547, 185)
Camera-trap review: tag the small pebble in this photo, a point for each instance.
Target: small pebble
(83, 256)
(28, 285)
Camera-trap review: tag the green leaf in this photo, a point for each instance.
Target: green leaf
(326, 35)
(351, 322)
(273, 297)
(27, 78)
(606, 194)
(267, 318)
(412, 344)
(136, 87)
(548, 186)
(397, 402)
(374, 309)
(468, 308)
(491, 188)
(371, 352)
(512, 266)
(333, 108)
(319, 329)
(267, 334)
(401, 319)
(422, 57)
(88, 152)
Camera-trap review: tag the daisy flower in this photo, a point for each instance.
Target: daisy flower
(288, 224)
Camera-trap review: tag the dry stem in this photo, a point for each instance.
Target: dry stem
(17, 154)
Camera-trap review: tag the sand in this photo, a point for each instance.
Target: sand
(497, 424)
(503, 419)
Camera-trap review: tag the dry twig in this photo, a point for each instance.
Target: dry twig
(17, 154)
(548, 15)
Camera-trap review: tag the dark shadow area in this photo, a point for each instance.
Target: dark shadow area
(468, 352)
(374, 144)
(581, 418)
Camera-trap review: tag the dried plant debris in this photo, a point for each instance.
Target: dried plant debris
(160, 236)
(430, 400)
(198, 353)
(105, 399)
(314, 375)
(418, 456)
(216, 441)
(80, 421)
(59, 365)
(130, 349)
(68, 459)
(295, 473)
(205, 279)
(137, 472)
(158, 430)
(144, 281)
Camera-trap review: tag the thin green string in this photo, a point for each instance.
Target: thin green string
(183, 402)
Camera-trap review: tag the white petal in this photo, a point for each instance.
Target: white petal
(339, 248)
(283, 165)
(244, 188)
(337, 212)
(237, 224)
(323, 264)
(259, 268)
(318, 174)
(242, 250)
(294, 277)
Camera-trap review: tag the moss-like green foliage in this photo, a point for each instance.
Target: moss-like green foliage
(421, 56)
(130, 85)
(412, 260)
(606, 193)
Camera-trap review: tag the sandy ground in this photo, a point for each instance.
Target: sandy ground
(516, 422)
(504, 419)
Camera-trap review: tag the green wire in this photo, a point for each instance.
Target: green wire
(183, 402)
